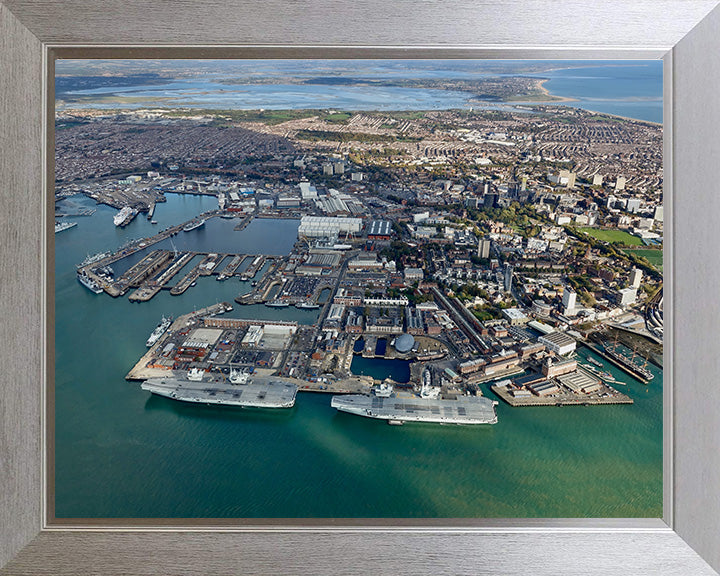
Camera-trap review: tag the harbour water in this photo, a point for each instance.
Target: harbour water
(123, 453)
(381, 368)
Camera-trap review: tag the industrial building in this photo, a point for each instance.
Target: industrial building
(559, 342)
(380, 230)
(327, 226)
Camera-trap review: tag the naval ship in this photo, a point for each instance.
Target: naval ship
(429, 406)
(241, 390)
(159, 331)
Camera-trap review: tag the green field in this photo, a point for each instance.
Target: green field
(615, 236)
(654, 256)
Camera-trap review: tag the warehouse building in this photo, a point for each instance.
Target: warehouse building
(558, 342)
(328, 226)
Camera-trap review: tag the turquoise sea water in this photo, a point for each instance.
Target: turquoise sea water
(121, 452)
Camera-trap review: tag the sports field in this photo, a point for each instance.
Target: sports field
(616, 236)
(655, 257)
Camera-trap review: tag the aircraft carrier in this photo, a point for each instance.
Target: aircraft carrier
(256, 392)
(397, 409)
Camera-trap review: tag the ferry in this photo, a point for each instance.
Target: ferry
(89, 283)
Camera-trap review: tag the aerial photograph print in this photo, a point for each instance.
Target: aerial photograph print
(360, 289)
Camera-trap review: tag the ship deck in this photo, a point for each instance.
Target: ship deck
(258, 393)
(462, 410)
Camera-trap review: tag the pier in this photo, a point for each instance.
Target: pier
(257, 263)
(231, 267)
(607, 395)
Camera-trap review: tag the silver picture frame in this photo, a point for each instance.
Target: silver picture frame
(682, 32)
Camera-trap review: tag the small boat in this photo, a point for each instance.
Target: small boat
(153, 222)
(594, 362)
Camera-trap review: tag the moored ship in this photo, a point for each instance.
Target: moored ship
(627, 363)
(159, 331)
(193, 224)
(258, 392)
(88, 282)
(277, 304)
(60, 226)
(124, 217)
(459, 410)
(93, 258)
(307, 306)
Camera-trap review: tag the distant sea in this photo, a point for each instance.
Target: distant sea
(626, 88)
(122, 453)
